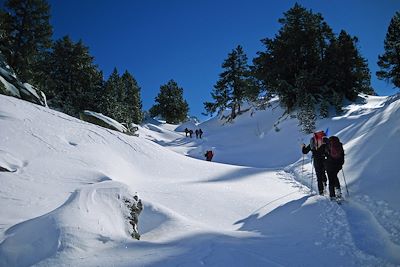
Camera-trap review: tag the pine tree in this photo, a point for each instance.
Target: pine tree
(296, 51)
(346, 68)
(306, 114)
(389, 61)
(132, 98)
(112, 96)
(324, 108)
(306, 60)
(235, 85)
(26, 27)
(170, 103)
(74, 82)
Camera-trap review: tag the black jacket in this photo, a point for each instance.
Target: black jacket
(318, 154)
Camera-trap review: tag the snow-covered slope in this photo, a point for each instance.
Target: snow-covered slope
(62, 202)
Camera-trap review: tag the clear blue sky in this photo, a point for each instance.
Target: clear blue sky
(187, 40)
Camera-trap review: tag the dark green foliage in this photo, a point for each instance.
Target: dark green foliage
(389, 61)
(26, 35)
(324, 108)
(170, 103)
(121, 98)
(306, 114)
(345, 69)
(235, 85)
(111, 94)
(306, 61)
(295, 52)
(73, 81)
(132, 98)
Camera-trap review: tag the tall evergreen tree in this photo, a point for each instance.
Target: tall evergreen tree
(306, 61)
(296, 51)
(389, 61)
(74, 81)
(26, 27)
(346, 69)
(170, 103)
(112, 97)
(306, 114)
(235, 85)
(132, 99)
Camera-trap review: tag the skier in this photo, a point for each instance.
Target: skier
(333, 164)
(209, 155)
(197, 133)
(186, 132)
(200, 133)
(190, 133)
(318, 147)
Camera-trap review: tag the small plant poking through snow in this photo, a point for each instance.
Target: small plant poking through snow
(135, 207)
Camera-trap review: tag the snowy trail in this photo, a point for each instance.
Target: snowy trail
(70, 176)
(369, 236)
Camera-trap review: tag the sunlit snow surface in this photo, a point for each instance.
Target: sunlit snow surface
(62, 197)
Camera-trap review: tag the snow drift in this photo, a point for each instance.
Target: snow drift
(62, 194)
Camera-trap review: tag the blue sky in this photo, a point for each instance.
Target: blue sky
(159, 40)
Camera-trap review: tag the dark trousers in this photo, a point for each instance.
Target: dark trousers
(320, 173)
(333, 180)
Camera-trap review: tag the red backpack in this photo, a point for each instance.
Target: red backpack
(335, 148)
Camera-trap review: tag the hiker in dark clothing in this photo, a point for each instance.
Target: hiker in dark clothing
(190, 133)
(186, 132)
(209, 155)
(334, 154)
(200, 133)
(197, 133)
(317, 147)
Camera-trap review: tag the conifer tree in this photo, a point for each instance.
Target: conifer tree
(389, 61)
(235, 85)
(132, 98)
(305, 60)
(306, 114)
(170, 103)
(27, 31)
(74, 82)
(347, 70)
(296, 51)
(112, 96)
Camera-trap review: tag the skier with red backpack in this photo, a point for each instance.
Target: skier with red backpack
(318, 149)
(209, 155)
(334, 154)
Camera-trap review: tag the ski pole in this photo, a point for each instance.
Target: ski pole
(312, 173)
(344, 178)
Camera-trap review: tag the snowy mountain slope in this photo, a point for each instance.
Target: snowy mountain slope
(62, 204)
(369, 130)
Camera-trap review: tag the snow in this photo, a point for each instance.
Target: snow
(11, 89)
(107, 120)
(62, 201)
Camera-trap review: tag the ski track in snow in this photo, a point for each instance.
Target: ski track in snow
(361, 229)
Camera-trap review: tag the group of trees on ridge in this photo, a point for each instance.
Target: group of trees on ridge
(305, 64)
(65, 71)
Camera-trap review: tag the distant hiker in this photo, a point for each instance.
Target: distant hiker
(318, 147)
(209, 155)
(333, 164)
(190, 133)
(186, 132)
(200, 133)
(197, 133)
